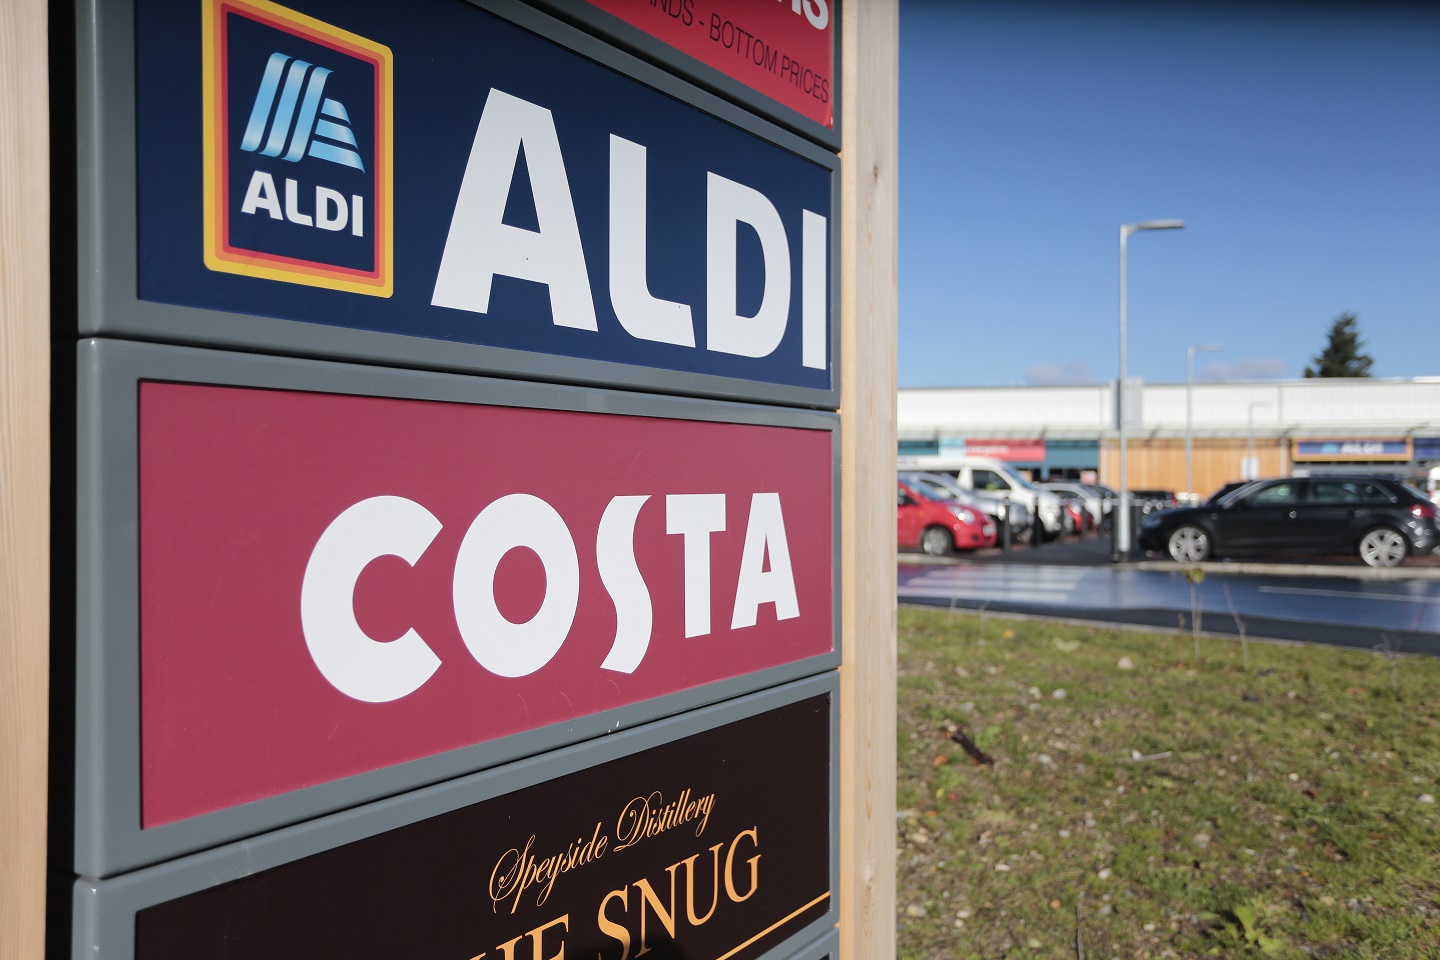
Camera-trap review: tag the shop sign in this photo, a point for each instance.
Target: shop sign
(784, 50)
(719, 843)
(1017, 450)
(447, 188)
(1358, 449)
(330, 586)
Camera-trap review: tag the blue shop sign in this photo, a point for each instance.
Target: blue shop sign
(1356, 449)
(436, 171)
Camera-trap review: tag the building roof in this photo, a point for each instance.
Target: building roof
(1316, 408)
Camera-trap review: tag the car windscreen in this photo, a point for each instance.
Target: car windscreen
(960, 494)
(932, 491)
(1020, 481)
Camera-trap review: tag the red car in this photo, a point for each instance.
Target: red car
(927, 518)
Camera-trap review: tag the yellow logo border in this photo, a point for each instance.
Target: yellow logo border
(221, 260)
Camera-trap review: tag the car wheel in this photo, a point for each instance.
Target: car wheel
(1022, 535)
(1383, 547)
(1189, 544)
(937, 542)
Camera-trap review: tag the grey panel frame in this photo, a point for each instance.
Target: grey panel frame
(108, 838)
(646, 45)
(108, 303)
(104, 910)
(826, 948)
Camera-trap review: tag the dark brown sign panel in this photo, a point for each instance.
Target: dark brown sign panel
(713, 846)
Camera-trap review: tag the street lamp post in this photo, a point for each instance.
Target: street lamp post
(1250, 463)
(1189, 404)
(1122, 522)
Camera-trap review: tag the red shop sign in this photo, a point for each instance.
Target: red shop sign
(784, 50)
(1025, 450)
(335, 584)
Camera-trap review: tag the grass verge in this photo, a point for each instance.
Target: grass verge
(1143, 804)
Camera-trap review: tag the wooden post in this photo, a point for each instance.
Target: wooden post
(24, 474)
(869, 172)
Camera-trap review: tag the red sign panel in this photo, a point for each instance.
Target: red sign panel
(1006, 449)
(785, 49)
(335, 584)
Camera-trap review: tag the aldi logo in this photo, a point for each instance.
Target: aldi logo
(298, 149)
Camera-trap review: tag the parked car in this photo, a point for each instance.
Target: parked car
(1226, 490)
(938, 526)
(997, 508)
(1108, 499)
(1379, 519)
(1077, 512)
(1149, 500)
(1092, 500)
(995, 478)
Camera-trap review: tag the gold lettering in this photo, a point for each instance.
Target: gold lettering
(537, 937)
(667, 919)
(507, 950)
(690, 885)
(754, 866)
(612, 929)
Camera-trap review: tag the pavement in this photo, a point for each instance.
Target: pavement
(1332, 600)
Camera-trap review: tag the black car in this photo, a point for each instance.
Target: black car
(1379, 519)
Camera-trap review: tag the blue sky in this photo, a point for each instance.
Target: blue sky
(1300, 145)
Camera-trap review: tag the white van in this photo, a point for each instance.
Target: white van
(993, 478)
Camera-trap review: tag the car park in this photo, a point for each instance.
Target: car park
(1015, 515)
(927, 518)
(1378, 519)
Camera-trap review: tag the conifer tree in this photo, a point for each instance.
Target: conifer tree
(1341, 356)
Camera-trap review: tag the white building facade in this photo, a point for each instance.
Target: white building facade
(1238, 429)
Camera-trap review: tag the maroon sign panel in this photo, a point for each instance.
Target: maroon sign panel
(716, 845)
(784, 49)
(335, 584)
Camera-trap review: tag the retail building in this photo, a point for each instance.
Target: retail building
(1238, 430)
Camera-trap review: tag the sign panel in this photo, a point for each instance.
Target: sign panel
(330, 585)
(403, 578)
(1359, 449)
(1019, 450)
(785, 51)
(443, 186)
(711, 835)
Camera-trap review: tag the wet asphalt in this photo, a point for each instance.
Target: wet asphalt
(1333, 600)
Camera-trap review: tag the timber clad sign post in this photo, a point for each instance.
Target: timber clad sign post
(457, 488)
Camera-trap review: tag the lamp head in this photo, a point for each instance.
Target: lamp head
(1130, 228)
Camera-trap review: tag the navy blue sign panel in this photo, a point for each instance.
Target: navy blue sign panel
(444, 173)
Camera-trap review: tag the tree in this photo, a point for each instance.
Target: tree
(1341, 356)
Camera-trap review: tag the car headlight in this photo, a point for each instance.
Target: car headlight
(963, 515)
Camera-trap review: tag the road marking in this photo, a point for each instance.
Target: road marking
(1315, 592)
